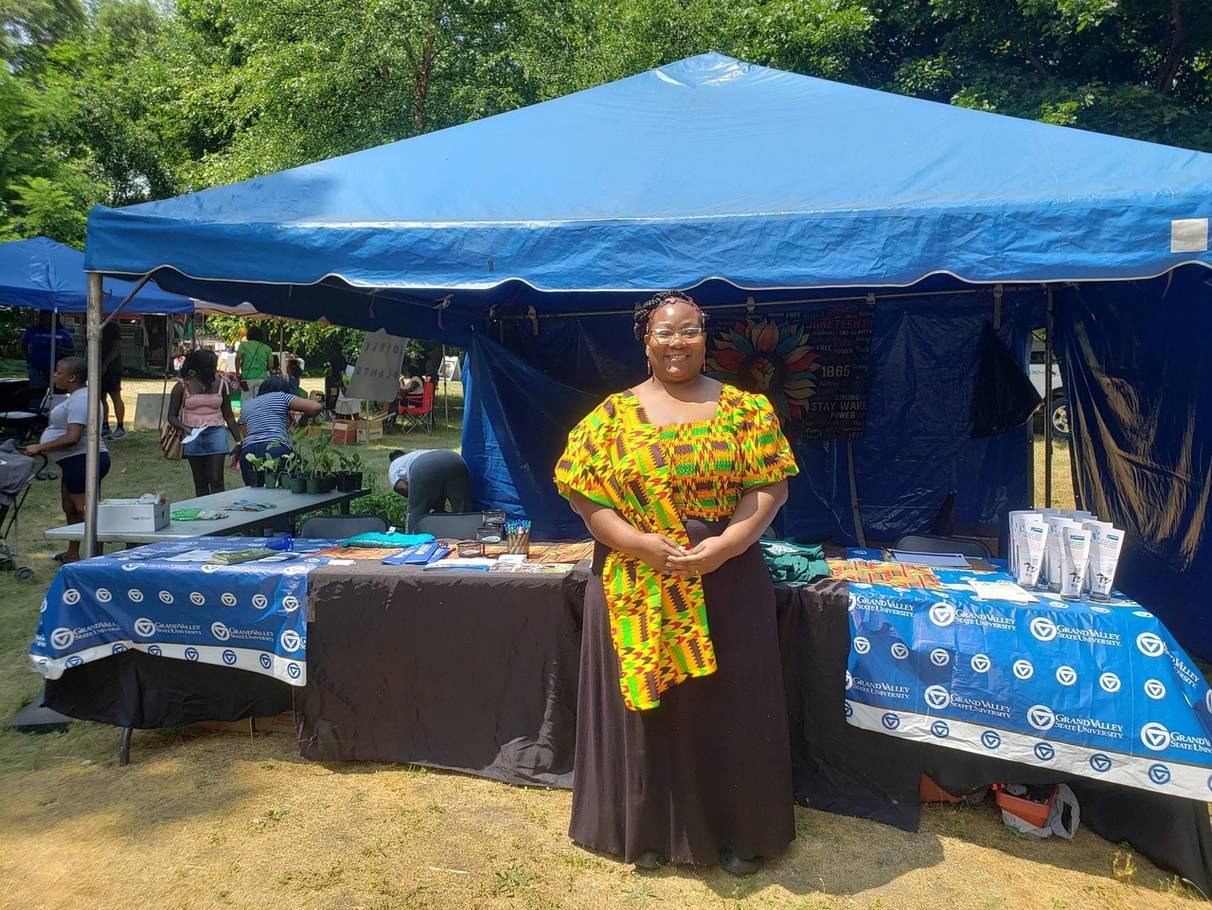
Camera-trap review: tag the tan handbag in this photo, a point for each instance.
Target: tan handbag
(170, 436)
(170, 442)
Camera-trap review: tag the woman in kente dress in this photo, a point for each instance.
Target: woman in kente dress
(682, 750)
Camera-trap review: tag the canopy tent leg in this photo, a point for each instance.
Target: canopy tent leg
(854, 503)
(124, 747)
(445, 386)
(92, 460)
(1048, 400)
(50, 384)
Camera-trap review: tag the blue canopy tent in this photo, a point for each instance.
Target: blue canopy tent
(42, 274)
(528, 237)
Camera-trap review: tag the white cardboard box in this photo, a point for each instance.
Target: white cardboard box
(116, 515)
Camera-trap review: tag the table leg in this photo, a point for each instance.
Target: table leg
(345, 507)
(124, 747)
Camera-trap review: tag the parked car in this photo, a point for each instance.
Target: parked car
(1056, 410)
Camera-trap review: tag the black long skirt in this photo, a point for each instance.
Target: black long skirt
(710, 768)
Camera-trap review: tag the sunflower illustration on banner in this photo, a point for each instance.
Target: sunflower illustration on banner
(813, 366)
(770, 357)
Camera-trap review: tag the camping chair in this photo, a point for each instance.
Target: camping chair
(338, 527)
(450, 525)
(412, 414)
(936, 543)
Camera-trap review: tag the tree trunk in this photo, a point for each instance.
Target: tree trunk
(422, 63)
(1173, 56)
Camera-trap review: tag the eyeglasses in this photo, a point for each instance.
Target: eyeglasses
(665, 336)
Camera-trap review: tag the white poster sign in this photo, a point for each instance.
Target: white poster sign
(377, 374)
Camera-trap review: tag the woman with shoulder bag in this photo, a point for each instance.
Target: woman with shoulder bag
(201, 400)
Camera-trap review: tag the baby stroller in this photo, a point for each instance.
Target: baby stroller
(23, 411)
(17, 471)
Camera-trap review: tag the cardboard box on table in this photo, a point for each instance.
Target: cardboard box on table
(123, 515)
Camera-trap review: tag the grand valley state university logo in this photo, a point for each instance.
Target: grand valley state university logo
(1041, 717)
(1150, 645)
(942, 614)
(1155, 737)
(1043, 628)
(937, 697)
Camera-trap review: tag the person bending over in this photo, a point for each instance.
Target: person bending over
(428, 479)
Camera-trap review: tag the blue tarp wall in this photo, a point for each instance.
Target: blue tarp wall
(1138, 365)
(526, 390)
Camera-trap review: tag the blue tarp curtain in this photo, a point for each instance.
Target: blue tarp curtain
(917, 446)
(1138, 367)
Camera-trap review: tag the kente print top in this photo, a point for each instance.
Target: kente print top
(656, 477)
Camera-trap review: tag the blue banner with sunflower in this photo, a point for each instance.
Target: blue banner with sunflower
(814, 366)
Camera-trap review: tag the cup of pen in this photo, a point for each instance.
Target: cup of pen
(517, 537)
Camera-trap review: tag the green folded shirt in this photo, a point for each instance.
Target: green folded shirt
(793, 563)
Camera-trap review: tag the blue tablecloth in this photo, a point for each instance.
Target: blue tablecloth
(250, 616)
(1100, 690)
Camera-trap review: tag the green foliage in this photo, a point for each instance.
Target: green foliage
(315, 342)
(381, 501)
(120, 101)
(12, 325)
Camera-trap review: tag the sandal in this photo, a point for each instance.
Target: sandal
(738, 866)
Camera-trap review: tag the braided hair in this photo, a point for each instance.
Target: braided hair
(644, 311)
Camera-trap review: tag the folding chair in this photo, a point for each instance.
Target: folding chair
(452, 525)
(411, 415)
(935, 543)
(341, 526)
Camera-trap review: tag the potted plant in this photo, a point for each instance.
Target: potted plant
(258, 470)
(342, 472)
(291, 477)
(270, 467)
(354, 466)
(325, 462)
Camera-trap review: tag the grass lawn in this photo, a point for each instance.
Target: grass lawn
(203, 820)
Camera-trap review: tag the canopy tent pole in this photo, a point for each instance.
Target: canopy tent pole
(445, 386)
(1048, 401)
(50, 381)
(124, 301)
(92, 459)
(852, 298)
(854, 503)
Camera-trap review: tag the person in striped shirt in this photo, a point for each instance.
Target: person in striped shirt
(266, 420)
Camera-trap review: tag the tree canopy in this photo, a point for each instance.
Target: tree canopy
(119, 101)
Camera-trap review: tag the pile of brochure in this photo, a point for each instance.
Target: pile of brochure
(1068, 551)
